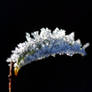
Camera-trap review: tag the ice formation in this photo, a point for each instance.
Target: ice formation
(45, 44)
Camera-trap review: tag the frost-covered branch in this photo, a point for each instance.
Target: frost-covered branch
(44, 45)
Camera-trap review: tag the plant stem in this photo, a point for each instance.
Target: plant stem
(10, 76)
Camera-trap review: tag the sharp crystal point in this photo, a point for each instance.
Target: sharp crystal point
(35, 34)
(71, 36)
(78, 41)
(28, 37)
(86, 45)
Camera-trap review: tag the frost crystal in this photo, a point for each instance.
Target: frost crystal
(44, 45)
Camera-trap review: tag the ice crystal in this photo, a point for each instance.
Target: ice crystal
(44, 45)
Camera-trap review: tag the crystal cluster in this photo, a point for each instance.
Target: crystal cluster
(45, 44)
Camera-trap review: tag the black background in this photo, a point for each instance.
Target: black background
(59, 74)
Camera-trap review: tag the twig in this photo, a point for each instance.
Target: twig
(10, 76)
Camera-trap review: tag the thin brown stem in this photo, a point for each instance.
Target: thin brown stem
(10, 76)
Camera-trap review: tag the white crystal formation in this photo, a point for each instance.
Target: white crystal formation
(45, 44)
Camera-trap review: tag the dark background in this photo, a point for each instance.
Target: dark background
(59, 74)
